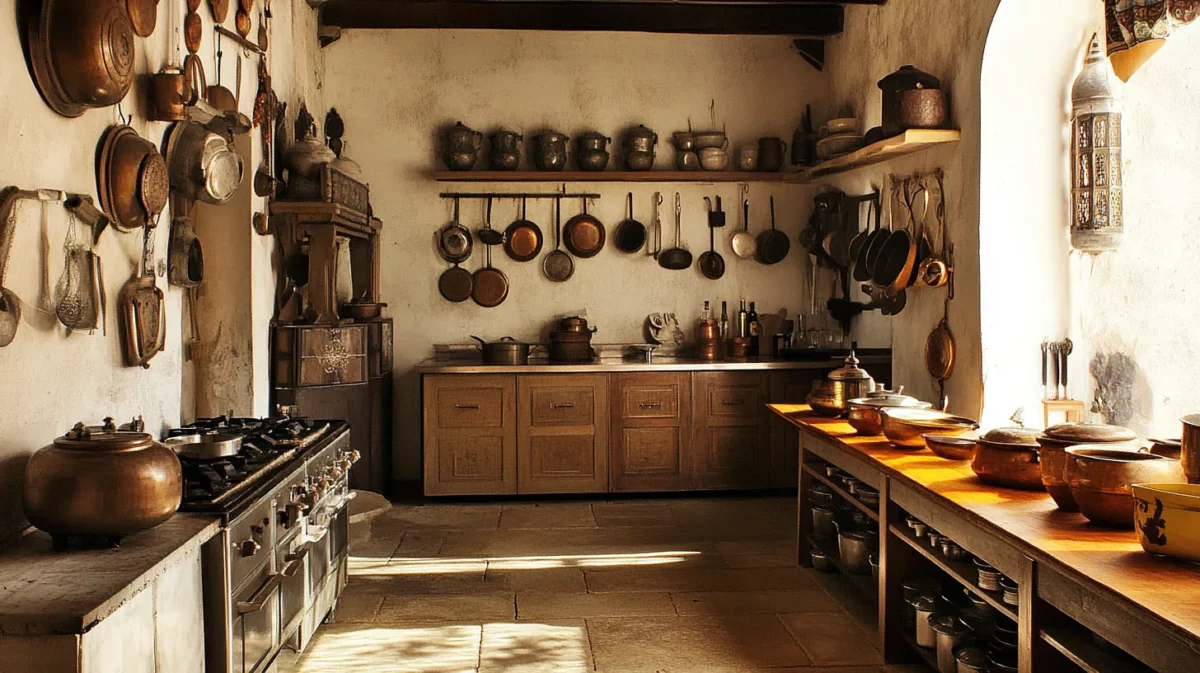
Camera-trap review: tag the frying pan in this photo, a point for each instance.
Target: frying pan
(773, 245)
(744, 245)
(584, 235)
(487, 235)
(522, 239)
(712, 264)
(939, 352)
(631, 234)
(454, 241)
(861, 244)
(875, 244)
(489, 285)
(455, 284)
(898, 255)
(677, 258)
(558, 265)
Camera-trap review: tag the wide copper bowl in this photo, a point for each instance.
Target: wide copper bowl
(951, 447)
(82, 53)
(906, 428)
(1055, 442)
(102, 484)
(1101, 480)
(865, 415)
(131, 177)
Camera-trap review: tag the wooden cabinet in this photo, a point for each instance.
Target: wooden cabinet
(562, 433)
(729, 430)
(788, 387)
(651, 415)
(470, 425)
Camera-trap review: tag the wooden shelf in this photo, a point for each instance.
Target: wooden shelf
(695, 177)
(963, 572)
(928, 654)
(838, 490)
(1077, 645)
(848, 591)
(909, 142)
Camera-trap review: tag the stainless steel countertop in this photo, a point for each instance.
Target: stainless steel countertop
(613, 365)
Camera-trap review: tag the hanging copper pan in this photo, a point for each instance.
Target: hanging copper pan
(131, 178)
(455, 284)
(523, 239)
(143, 14)
(193, 32)
(82, 54)
(584, 235)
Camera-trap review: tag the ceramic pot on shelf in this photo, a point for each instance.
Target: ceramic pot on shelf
(460, 147)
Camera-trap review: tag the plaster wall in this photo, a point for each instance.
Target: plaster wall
(396, 88)
(51, 378)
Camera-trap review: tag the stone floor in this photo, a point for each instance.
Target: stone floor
(686, 585)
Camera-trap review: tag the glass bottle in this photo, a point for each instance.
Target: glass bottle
(752, 324)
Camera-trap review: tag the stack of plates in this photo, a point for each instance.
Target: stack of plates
(839, 137)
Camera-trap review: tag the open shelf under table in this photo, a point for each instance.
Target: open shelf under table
(838, 490)
(963, 572)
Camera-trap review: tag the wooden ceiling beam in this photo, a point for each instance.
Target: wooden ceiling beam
(801, 18)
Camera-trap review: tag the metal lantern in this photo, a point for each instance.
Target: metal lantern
(1097, 222)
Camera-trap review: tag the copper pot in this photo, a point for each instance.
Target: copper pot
(1054, 444)
(1008, 457)
(170, 93)
(866, 415)
(1101, 479)
(131, 177)
(101, 482)
(901, 108)
(708, 331)
(82, 53)
(575, 324)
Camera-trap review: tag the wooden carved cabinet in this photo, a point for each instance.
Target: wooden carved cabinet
(651, 417)
(470, 435)
(729, 430)
(562, 433)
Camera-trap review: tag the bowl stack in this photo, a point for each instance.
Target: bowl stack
(839, 137)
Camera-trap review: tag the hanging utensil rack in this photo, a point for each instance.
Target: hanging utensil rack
(519, 195)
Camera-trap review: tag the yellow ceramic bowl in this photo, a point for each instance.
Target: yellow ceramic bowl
(1167, 517)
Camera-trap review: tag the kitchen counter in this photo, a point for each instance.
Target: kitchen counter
(614, 365)
(1116, 583)
(47, 592)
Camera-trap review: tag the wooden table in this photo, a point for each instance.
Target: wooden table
(1072, 573)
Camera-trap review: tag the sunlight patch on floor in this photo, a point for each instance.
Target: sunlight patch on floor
(376, 567)
(443, 649)
(520, 648)
(415, 566)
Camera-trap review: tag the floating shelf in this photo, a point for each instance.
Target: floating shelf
(838, 490)
(963, 572)
(698, 177)
(909, 142)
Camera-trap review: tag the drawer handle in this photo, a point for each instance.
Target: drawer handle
(650, 405)
(473, 407)
(564, 405)
(732, 403)
(259, 600)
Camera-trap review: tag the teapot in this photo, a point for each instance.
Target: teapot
(460, 147)
(506, 150)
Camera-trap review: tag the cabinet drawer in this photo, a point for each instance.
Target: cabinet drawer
(741, 401)
(559, 406)
(650, 402)
(470, 407)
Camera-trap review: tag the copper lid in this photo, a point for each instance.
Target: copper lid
(850, 371)
(107, 438)
(1016, 437)
(1090, 433)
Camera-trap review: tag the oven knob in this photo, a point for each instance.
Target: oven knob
(335, 472)
(291, 514)
(248, 548)
(321, 485)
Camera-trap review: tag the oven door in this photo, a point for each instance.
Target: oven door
(256, 623)
(293, 589)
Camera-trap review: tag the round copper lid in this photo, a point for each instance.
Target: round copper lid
(1015, 437)
(1090, 433)
(92, 438)
(850, 371)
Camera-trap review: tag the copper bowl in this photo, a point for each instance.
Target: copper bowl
(865, 415)
(1009, 457)
(905, 428)
(82, 53)
(1055, 442)
(1101, 479)
(131, 177)
(951, 447)
(101, 483)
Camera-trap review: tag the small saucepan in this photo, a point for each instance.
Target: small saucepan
(584, 235)
(506, 351)
(631, 234)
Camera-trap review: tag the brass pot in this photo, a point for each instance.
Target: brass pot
(1055, 442)
(865, 413)
(1009, 457)
(131, 178)
(82, 53)
(575, 324)
(906, 428)
(1101, 479)
(101, 482)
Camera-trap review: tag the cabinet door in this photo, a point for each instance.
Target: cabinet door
(729, 437)
(651, 416)
(470, 435)
(788, 387)
(562, 433)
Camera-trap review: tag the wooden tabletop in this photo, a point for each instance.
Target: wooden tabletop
(45, 592)
(1111, 560)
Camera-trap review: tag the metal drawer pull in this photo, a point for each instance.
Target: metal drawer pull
(650, 405)
(733, 403)
(292, 568)
(300, 552)
(260, 598)
(467, 406)
(565, 405)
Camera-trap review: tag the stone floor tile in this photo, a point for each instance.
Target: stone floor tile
(357, 607)
(557, 580)
(632, 513)
(752, 602)
(832, 639)
(473, 608)
(540, 605)
(692, 644)
(535, 647)
(408, 577)
(547, 515)
(379, 648)
(420, 544)
(441, 517)
(665, 578)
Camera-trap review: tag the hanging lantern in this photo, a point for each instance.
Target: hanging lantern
(1097, 222)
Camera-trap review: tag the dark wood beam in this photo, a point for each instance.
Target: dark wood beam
(801, 18)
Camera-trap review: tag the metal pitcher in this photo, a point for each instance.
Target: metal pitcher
(550, 151)
(506, 150)
(460, 147)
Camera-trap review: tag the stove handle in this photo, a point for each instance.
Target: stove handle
(297, 556)
(260, 598)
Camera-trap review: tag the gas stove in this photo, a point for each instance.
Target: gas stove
(268, 445)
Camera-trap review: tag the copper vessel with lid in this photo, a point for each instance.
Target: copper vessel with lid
(848, 382)
(101, 482)
(1054, 444)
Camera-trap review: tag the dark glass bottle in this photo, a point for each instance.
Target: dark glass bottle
(752, 323)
